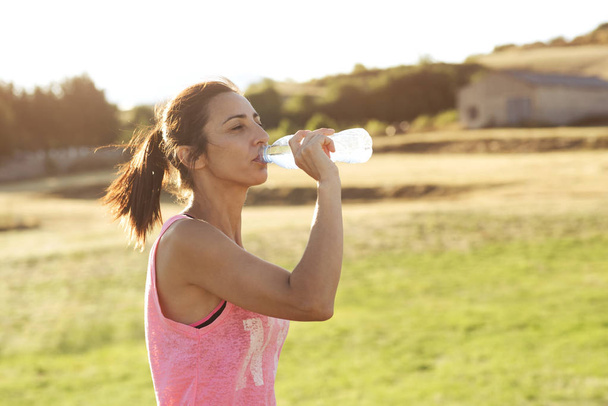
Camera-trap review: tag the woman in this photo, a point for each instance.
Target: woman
(217, 316)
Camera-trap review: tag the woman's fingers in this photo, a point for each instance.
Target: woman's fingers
(324, 131)
(305, 137)
(311, 151)
(315, 141)
(296, 140)
(302, 135)
(328, 145)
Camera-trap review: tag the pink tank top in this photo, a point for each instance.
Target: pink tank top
(232, 361)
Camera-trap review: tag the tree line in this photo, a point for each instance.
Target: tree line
(76, 113)
(71, 113)
(599, 36)
(391, 95)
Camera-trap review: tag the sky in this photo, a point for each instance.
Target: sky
(145, 52)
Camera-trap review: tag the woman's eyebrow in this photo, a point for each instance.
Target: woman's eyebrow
(255, 115)
(235, 116)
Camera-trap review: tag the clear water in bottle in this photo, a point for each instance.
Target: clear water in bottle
(279, 153)
(352, 146)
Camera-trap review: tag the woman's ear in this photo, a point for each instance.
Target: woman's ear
(184, 156)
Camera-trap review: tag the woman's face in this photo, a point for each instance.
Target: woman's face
(235, 136)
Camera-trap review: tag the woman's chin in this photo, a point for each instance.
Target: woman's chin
(261, 178)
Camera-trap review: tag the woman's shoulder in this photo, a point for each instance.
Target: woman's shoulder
(185, 244)
(185, 230)
(188, 236)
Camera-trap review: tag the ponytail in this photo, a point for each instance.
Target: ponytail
(134, 197)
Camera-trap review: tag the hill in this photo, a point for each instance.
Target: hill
(395, 97)
(585, 55)
(586, 60)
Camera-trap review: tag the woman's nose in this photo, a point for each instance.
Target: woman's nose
(262, 137)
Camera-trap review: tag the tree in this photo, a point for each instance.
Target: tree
(267, 101)
(73, 113)
(320, 120)
(8, 125)
(299, 108)
(143, 115)
(45, 122)
(348, 102)
(89, 119)
(359, 68)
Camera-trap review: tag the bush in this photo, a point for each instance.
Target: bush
(265, 98)
(422, 123)
(445, 118)
(320, 120)
(425, 122)
(285, 127)
(376, 127)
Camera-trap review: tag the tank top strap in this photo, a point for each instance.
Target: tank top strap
(172, 220)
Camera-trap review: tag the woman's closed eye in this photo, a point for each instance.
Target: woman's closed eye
(239, 126)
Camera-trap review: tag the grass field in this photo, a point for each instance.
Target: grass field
(494, 296)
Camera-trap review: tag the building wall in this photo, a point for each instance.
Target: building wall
(501, 100)
(561, 105)
(486, 103)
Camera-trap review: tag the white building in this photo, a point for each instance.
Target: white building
(513, 98)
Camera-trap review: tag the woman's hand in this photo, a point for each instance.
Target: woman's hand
(311, 153)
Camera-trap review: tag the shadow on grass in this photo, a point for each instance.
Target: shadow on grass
(261, 196)
(498, 146)
(17, 223)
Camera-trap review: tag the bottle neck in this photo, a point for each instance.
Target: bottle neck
(264, 154)
(269, 151)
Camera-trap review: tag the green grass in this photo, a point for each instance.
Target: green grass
(109, 375)
(456, 306)
(493, 297)
(70, 303)
(505, 324)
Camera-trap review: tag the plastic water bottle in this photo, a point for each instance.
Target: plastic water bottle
(352, 146)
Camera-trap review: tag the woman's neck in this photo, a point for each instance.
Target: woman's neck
(221, 208)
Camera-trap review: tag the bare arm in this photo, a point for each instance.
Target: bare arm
(205, 257)
(317, 274)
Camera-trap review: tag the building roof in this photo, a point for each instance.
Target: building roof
(552, 79)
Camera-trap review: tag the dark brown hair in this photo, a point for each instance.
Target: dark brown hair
(134, 197)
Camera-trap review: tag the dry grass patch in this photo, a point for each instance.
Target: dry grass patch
(590, 60)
